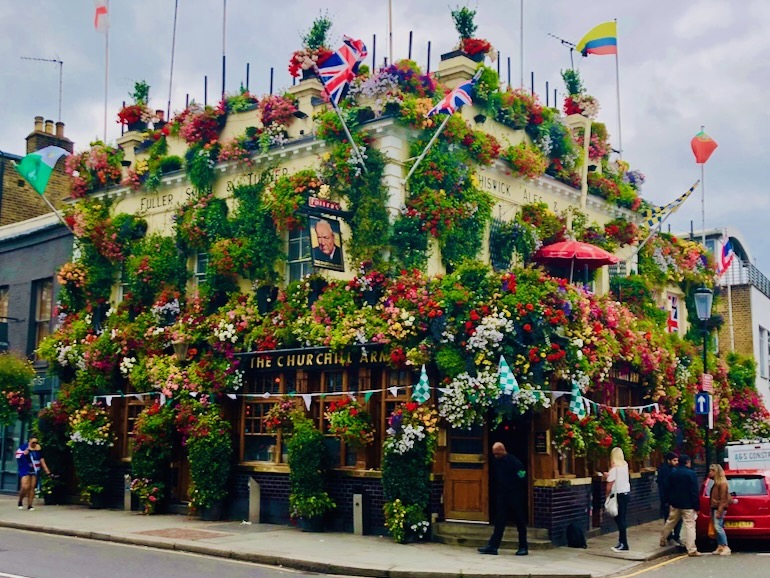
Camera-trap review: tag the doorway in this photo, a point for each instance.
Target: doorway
(514, 434)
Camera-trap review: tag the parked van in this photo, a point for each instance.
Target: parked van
(748, 476)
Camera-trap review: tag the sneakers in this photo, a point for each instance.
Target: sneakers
(522, 552)
(21, 507)
(620, 548)
(30, 509)
(488, 550)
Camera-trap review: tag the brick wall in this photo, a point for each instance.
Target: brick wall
(274, 500)
(743, 324)
(555, 507)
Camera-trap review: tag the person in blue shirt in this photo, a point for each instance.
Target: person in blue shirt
(29, 462)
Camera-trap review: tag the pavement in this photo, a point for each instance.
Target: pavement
(331, 552)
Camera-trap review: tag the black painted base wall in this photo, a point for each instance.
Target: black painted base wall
(556, 507)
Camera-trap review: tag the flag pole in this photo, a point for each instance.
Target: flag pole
(659, 226)
(427, 147)
(106, 71)
(617, 88)
(521, 45)
(703, 199)
(55, 212)
(224, 36)
(729, 300)
(342, 120)
(390, 31)
(173, 50)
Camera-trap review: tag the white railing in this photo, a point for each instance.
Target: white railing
(744, 273)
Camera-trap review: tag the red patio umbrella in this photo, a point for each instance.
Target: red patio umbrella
(575, 253)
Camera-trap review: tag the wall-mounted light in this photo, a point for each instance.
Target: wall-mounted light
(299, 114)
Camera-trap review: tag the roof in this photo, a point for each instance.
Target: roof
(29, 227)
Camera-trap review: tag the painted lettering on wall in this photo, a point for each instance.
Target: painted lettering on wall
(316, 359)
(155, 202)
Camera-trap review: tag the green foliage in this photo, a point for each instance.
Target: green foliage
(572, 81)
(141, 92)
(316, 37)
(463, 20)
(155, 265)
(409, 243)
(170, 163)
(90, 441)
(200, 161)
(16, 374)
(635, 293)
(152, 443)
(51, 430)
(210, 452)
(308, 463)
(201, 221)
(450, 361)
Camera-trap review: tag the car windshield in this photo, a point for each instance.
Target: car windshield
(743, 485)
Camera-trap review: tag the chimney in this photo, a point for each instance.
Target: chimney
(45, 135)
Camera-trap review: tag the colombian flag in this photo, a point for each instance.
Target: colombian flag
(601, 39)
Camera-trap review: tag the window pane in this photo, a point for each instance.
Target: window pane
(44, 300)
(3, 302)
(259, 448)
(299, 263)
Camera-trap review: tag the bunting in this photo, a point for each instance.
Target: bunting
(576, 404)
(508, 383)
(421, 392)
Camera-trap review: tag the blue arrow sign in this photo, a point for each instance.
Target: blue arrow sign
(702, 403)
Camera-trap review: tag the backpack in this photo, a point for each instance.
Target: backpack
(575, 536)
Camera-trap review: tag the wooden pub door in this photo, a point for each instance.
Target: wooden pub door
(466, 487)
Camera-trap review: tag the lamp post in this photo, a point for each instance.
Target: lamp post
(704, 297)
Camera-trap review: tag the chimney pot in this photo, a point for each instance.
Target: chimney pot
(49, 126)
(38, 124)
(60, 129)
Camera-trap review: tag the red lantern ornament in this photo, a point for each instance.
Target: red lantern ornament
(702, 147)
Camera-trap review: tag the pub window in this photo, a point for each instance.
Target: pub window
(299, 262)
(764, 352)
(122, 283)
(132, 407)
(42, 309)
(403, 380)
(201, 266)
(259, 445)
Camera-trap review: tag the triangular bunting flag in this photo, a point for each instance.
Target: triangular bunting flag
(576, 404)
(266, 395)
(508, 383)
(368, 395)
(231, 395)
(108, 399)
(443, 389)
(557, 394)
(352, 396)
(193, 394)
(421, 392)
(308, 399)
(393, 391)
(162, 399)
(622, 413)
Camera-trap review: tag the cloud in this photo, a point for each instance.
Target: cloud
(704, 18)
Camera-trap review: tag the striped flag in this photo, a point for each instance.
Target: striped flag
(673, 314)
(101, 15)
(655, 216)
(341, 67)
(600, 40)
(726, 257)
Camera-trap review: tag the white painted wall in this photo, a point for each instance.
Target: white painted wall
(760, 316)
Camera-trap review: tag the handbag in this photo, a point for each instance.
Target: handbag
(712, 532)
(611, 503)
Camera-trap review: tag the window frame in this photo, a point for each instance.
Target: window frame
(764, 357)
(40, 327)
(298, 239)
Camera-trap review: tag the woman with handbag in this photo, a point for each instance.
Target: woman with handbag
(720, 499)
(618, 489)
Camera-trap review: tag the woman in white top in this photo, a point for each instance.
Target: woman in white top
(618, 482)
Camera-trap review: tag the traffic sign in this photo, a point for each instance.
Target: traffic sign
(702, 403)
(707, 383)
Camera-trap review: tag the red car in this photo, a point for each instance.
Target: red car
(748, 516)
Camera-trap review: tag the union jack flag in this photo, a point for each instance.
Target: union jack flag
(455, 99)
(340, 68)
(673, 314)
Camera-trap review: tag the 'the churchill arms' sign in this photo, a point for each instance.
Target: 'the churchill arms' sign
(318, 358)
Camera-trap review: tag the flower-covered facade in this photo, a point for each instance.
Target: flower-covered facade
(282, 265)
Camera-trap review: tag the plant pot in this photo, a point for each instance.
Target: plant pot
(315, 524)
(372, 296)
(137, 126)
(364, 114)
(391, 109)
(310, 73)
(213, 513)
(98, 501)
(266, 299)
(478, 57)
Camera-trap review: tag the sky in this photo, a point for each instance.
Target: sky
(682, 65)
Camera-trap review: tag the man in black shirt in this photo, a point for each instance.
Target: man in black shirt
(670, 462)
(683, 495)
(511, 485)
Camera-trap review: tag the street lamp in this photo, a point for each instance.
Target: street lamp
(704, 297)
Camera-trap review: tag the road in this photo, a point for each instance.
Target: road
(34, 555)
(749, 560)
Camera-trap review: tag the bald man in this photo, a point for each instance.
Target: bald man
(327, 249)
(511, 492)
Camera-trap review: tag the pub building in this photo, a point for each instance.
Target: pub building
(561, 490)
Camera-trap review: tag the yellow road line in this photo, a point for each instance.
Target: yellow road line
(653, 567)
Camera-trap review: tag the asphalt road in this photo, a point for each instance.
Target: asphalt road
(34, 555)
(749, 560)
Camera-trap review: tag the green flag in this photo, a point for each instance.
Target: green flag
(421, 392)
(36, 167)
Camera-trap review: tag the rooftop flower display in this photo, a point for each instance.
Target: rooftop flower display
(314, 49)
(463, 19)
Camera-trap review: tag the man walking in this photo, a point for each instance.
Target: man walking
(682, 491)
(511, 492)
(670, 462)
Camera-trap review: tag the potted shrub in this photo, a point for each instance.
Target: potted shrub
(206, 435)
(308, 501)
(473, 48)
(90, 440)
(314, 49)
(349, 421)
(138, 115)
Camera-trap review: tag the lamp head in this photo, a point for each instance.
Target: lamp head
(704, 297)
